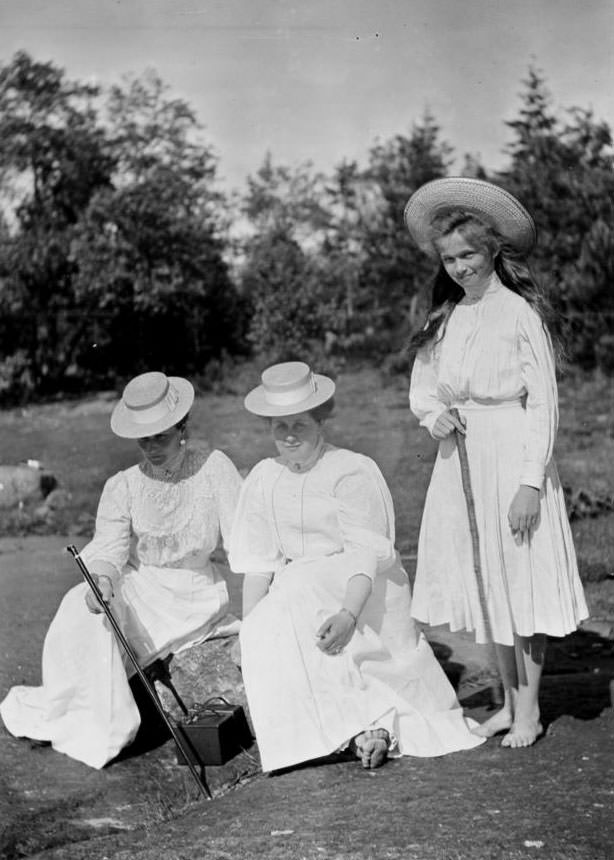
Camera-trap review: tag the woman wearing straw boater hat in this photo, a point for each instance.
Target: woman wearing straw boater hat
(485, 371)
(331, 659)
(157, 525)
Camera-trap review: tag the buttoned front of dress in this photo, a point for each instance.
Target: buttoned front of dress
(314, 531)
(494, 363)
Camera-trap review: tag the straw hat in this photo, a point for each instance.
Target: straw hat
(496, 206)
(151, 403)
(288, 389)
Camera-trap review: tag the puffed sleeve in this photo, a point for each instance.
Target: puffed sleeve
(111, 541)
(366, 517)
(423, 400)
(227, 483)
(254, 548)
(537, 369)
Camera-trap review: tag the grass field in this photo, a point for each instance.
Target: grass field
(52, 801)
(73, 440)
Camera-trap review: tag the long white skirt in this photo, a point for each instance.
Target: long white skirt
(306, 704)
(531, 587)
(85, 707)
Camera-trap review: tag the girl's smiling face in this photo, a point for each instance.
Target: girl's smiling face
(296, 437)
(468, 265)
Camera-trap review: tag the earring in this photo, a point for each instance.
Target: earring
(182, 441)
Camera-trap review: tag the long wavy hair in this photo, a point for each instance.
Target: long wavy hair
(513, 272)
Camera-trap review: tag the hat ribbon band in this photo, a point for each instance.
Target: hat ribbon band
(150, 414)
(287, 398)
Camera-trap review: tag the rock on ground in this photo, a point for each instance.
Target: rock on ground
(552, 801)
(21, 484)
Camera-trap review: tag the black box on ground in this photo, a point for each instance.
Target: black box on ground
(217, 734)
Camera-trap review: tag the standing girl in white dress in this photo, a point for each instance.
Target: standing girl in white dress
(157, 525)
(486, 352)
(329, 652)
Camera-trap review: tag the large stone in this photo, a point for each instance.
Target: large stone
(50, 510)
(21, 484)
(201, 672)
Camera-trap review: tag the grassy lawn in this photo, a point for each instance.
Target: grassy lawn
(73, 440)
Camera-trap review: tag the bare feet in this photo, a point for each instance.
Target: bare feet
(522, 734)
(499, 722)
(371, 747)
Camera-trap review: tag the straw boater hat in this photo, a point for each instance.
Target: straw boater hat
(151, 403)
(494, 205)
(288, 389)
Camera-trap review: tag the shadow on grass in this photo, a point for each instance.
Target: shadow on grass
(153, 731)
(577, 676)
(575, 682)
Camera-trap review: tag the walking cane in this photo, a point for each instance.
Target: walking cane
(473, 529)
(182, 742)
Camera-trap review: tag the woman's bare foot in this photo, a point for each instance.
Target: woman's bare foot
(371, 747)
(522, 734)
(499, 722)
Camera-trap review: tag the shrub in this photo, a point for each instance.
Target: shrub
(16, 380)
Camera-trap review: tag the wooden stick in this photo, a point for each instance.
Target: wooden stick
(473, 526)
(495, 690)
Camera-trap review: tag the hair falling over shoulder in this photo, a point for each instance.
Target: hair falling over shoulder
(445, 296)
(514, 273)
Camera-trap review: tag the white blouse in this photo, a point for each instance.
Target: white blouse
(340, 507)
(493, 351)
(146, 519)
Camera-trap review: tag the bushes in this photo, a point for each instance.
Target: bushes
(604, 354)
(120, 258)
(16, 380)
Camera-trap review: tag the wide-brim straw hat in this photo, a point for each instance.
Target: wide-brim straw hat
(493, 204)
(288, 389)
(151, 403)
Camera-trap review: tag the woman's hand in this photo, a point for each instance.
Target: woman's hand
(446, 424)
(523, 515)
(105, 586)
(336, 632)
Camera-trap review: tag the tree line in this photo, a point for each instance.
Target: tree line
(119, 253)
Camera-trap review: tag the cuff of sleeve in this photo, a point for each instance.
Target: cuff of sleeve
(533, 475)
(110, 569)
(429, 420)
(360, 561)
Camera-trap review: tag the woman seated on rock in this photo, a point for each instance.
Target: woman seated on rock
(330, 656)
(158, 523)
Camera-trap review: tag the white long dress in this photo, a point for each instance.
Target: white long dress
(315, 530)
(495, 364)
(158, 534)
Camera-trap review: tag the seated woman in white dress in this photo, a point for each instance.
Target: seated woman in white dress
(330, 654)
(158, 523)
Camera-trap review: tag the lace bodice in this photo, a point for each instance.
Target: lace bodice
(145, 518)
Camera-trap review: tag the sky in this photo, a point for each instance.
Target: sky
(323, 80)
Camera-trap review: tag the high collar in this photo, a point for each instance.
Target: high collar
(493, 286)
(301, 468)
(169, 471)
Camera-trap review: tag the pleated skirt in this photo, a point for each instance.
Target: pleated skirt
(529, 586)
